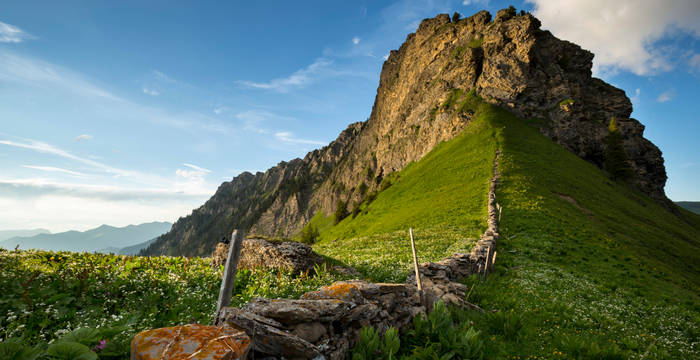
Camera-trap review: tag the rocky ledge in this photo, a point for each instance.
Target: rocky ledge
(289, 255)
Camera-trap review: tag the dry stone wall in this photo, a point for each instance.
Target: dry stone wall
(326, 324)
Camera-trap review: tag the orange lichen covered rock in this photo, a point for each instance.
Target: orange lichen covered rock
(349, 291)
(190, 342)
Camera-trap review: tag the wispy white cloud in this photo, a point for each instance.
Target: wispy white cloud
(108, 196)
(54, 169)
(476, 2)
(623, 34)
(150, 91)
(289, 137)
(356, 40)
(256, 120)
(197, 168)
(665, 96)
(41, 74)
(158, 75)
(83, 137)
(27, 71)
(12, 34)
(194, 176)
(43, 147)
(299, 78)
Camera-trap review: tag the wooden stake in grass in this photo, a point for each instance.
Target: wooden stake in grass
(486, 262)
(415, 265)
(234, 253)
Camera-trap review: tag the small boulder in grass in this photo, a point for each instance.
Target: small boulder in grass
(190, 342)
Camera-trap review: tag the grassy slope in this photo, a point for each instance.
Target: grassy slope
(615, 275)
(442, 197)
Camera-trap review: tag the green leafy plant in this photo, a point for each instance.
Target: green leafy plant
(373, 346)
(509, 324)
(438, 336)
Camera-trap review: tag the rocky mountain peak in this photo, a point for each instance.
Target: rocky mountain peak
(507, 60)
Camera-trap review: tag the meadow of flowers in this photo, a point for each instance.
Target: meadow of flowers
(101, 301)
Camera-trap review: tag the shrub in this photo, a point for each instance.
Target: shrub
(362, 188)
(356, 210)
(456, 16)
(475, 42)
(615, 161)
(341, 211)
(309, 234)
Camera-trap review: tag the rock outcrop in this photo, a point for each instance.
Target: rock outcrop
(324, 323)
(288, 255)
(191, 342)
(508, 60)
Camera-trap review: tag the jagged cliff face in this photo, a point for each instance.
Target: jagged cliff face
(508, 61)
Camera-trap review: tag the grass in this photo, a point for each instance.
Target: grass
(47, 295)
(612, 266)
(593, 268)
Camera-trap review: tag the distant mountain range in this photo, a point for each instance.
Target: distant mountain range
(693, 206)
(7, 234)
(101, 239)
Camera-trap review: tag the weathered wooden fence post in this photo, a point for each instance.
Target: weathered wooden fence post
(234, 253)
(415, 265)
(486, 261)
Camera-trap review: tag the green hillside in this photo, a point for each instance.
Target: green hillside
(587, 267)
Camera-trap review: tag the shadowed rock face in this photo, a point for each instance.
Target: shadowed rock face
(507, 60)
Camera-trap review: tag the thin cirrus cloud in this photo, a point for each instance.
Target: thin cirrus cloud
(54, 169)
(475, 2)
(12, 34)
(45, 148)
(623, 34)
(24, 188)
(299, 78)
(288, 137)
(37, 73)
(189, 183)
(83, 137)
(34, 73)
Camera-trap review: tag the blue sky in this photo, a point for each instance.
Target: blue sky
(134, 111)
